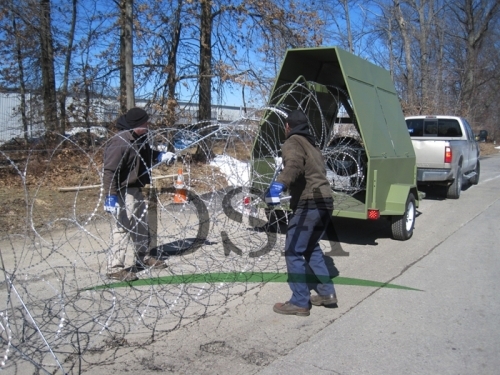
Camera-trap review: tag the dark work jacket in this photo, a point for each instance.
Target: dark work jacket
(304, 174)
(127, 159)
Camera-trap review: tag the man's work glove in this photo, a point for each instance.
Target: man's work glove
(111, 205)
(166, 157)
(273, 193)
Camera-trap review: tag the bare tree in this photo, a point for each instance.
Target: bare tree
(426, 22)
(405, 30)
(474, 18)
(440, 54)
(92, 73)
(22, 83)
(47, 68)
(346, 23)
(205, 86)
(201, 48)
(415, 45)
(63, 92)
(127, 96)
(172, 78)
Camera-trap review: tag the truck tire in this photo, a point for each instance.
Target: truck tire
(455, 188)
(402, 226)
(475, 180)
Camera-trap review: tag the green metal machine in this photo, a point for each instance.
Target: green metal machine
(356, 117)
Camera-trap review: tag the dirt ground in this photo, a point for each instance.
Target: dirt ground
(40, 186)
(30, 183)
(488, 148)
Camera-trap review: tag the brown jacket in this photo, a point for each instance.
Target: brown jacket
(126, 162)
(304, 174)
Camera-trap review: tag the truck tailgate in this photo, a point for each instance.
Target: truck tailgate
(430, 153)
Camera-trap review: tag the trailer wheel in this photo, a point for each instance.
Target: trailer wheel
(455, 188)
(475, 180)
(402, 226)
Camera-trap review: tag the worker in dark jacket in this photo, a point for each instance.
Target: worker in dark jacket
(304, 176)
(128, 158)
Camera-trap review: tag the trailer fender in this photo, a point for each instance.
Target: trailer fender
(396, 199)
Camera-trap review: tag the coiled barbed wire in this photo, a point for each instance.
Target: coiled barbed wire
(58, 306)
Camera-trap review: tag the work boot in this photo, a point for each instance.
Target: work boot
(122, 275)
(330, 299)
(288, 308)
(152, 263)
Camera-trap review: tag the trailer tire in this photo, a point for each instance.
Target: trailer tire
(455, 188)
(402, 226)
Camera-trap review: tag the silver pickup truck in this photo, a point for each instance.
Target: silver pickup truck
(446, 151)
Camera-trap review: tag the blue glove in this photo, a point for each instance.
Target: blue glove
(166, 157)
(111, 204)
(273, 193)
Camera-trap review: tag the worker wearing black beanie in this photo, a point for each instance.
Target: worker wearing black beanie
(128, 160)
(304, 176)
(298, 123)
(136, 117)
(133, 118)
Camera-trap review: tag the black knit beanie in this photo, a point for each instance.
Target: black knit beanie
(295, 118)
(299, 125)
(136, 117)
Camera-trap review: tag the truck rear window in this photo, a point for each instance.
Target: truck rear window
(421, 127)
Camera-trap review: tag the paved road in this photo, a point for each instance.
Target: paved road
(452, 326)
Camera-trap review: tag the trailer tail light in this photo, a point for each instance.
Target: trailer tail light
(447, 154)
(246, 201)
(373, 214)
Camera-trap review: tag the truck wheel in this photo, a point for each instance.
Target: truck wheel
(475, 180)
(455, 188)
(402, 226)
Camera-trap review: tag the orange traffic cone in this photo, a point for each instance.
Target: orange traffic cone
(180, 195)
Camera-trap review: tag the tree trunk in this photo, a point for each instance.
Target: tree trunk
(172, 68)
(205, 80)
(47, 67)
(441, 98)
(67, 64)
(86, 114)
(476, 25)
(410, 76)
(205, 88)
(22, 85)
(390, 46)
(426, 17)
(127, 99)
(345, 5)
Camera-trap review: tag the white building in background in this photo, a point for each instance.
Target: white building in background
(11, 125)
(104, 111)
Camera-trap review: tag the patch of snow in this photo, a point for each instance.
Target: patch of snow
(237, 172)
(100, 131)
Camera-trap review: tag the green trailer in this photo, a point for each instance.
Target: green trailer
(356, 118)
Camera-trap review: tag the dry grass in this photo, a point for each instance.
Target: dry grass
(30, 183)
(488, 148)
(37, 197)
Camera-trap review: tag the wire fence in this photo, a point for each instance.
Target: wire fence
(99, 112)
(60, 313)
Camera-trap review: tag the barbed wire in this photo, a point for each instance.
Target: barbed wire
(60, 312)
